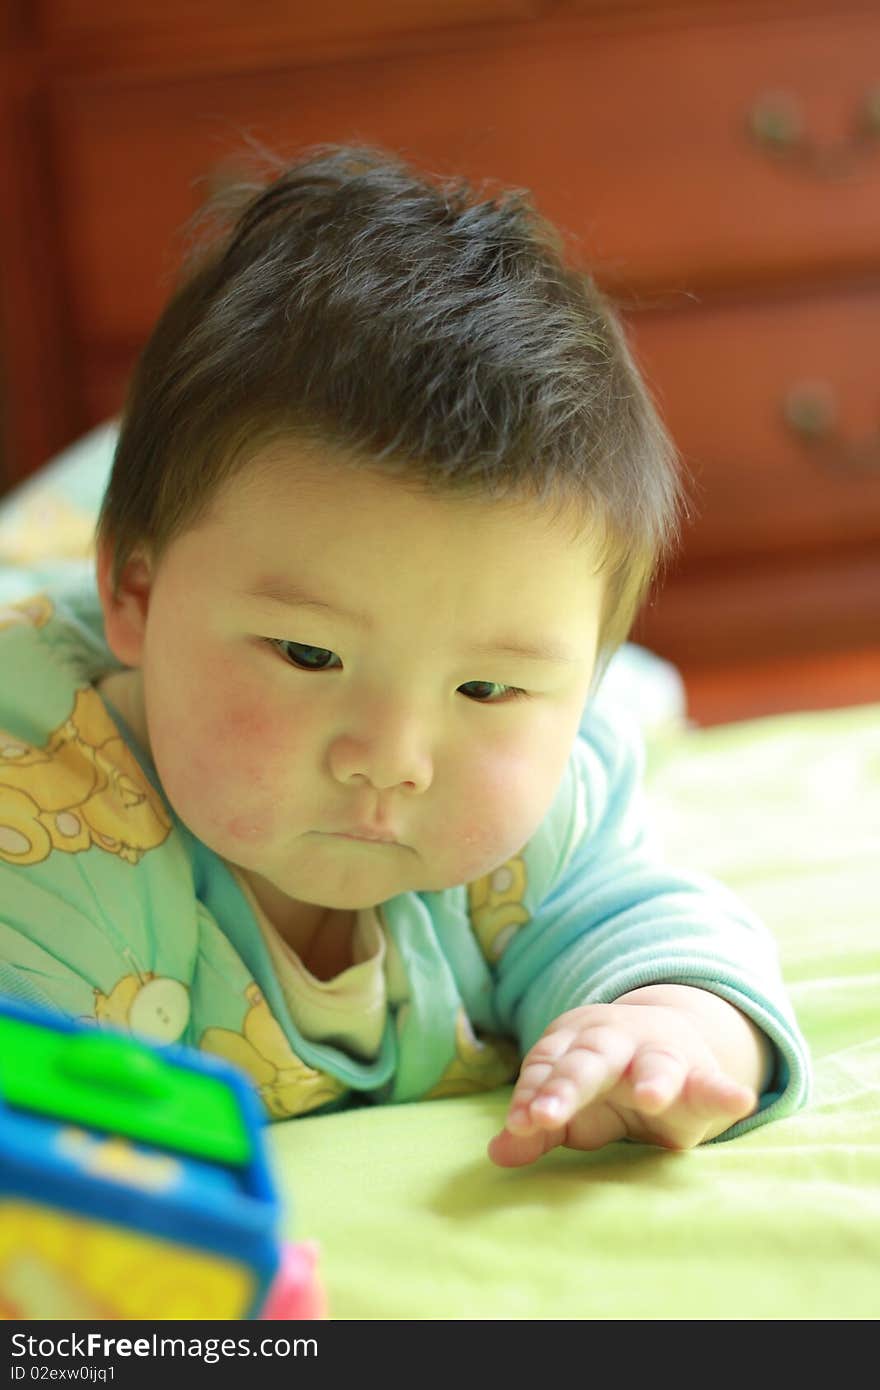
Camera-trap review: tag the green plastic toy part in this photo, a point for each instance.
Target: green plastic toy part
(110, 1082)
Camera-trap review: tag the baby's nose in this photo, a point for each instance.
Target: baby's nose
(393, 759)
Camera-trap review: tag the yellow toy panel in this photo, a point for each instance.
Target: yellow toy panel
(57, 1265)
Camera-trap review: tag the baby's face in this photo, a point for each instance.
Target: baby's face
(332, 666)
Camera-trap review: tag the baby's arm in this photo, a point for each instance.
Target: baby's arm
(665, 1064)
(588, 986)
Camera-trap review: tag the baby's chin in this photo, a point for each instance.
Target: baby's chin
(348, 876)
(356, 891)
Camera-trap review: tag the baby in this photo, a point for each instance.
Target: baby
(325, 785)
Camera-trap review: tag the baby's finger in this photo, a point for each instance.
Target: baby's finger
(713, 1093)
(549, 1092)
(536, 1068)
(657, 1078)
(514, 1150)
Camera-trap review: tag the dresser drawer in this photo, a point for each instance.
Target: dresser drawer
(773, 609)
(775, 407)
(140, 36)
(640, 147)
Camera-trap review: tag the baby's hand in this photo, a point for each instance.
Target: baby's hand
(619, 1071)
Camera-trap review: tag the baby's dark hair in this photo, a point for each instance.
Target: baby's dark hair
(417, 325)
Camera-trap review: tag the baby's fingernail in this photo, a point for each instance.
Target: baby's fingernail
(518, 1118)
(656, 1090)
(549, 1107)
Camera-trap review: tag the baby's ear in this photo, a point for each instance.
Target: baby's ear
(125, 611)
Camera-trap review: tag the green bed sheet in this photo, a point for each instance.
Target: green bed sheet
(413, 1221)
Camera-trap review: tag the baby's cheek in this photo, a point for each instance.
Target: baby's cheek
(243, 764)
(496, 813)
(251, 829)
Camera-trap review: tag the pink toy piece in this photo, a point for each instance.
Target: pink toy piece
(297, 1291)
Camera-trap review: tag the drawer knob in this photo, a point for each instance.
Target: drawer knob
(810, 411)
(776, 123)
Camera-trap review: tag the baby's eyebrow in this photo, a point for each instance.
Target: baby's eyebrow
(281, 590)
(539, 651)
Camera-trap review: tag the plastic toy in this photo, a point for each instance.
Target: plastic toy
(134, 1183)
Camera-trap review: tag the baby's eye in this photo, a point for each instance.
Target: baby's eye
(305, 657)
(490, 692)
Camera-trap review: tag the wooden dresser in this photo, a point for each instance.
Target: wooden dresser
(716, 163)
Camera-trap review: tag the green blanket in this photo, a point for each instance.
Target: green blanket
(784, 1223)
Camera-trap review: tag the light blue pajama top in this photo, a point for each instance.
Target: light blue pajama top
(111, 910)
